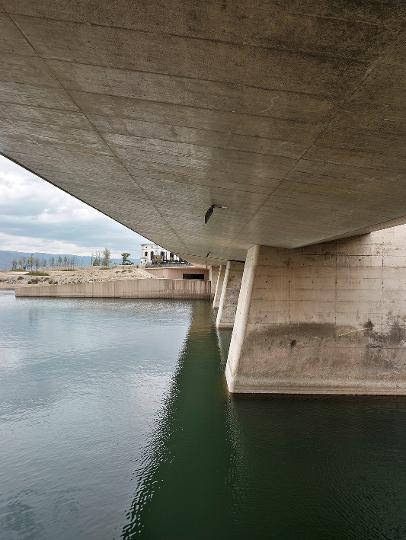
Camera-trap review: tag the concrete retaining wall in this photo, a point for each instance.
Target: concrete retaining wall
(131, 288)
(176, 272)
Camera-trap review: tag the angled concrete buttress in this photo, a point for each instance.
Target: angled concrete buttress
(213, 277)
(325, 319)
(218, 287)
(229, 294)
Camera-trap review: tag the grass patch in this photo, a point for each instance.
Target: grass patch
(37, 273)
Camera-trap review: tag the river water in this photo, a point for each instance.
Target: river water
(115, 422)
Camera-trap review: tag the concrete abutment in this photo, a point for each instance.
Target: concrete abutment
(325, 319)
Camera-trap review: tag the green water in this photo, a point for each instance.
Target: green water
(115, 423)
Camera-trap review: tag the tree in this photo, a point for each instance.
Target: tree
(97, 259)
(125, 257)
(106, 257)
(14, 264)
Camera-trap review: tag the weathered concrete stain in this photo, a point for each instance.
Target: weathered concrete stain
(334, 324)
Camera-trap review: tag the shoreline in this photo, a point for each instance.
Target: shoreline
(13, 280)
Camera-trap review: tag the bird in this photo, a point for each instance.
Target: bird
(209, 211)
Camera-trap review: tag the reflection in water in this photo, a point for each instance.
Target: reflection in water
(176, 497)
(20, 520)
(81, 382)
(278, 467)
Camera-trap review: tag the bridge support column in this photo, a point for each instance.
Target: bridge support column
(213, 277)
(326, 319)
(229, 294)
(218, 287)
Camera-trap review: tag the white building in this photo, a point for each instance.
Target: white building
(154, 254)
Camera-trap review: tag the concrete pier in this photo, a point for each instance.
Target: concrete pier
(326, 319)
(213, 278)
(229, 294)
(218, 287)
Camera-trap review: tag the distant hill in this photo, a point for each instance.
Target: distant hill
(6, 258)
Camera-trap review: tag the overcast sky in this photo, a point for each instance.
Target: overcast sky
(37, 216)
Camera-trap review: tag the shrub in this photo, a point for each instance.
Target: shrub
(37, 273)
(33, 281)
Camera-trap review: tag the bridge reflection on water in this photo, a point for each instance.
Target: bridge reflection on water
(221, 466)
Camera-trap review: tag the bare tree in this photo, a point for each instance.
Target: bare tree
(97, 259)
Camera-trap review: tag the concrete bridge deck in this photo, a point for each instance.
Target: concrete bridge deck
(292, 114)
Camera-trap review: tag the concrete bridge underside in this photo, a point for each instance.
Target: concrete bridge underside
(291, 113)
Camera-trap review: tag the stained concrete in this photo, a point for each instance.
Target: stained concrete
(218, 286)
(126, 288)
(292, 114)
(229, 294)
(213, 277)
(324, 319)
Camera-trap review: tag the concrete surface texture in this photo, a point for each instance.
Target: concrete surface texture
(218, 286)
(324, 319)
(132, 288)
(291, 114)
(229, 294)
(213, 277)
(177, 273)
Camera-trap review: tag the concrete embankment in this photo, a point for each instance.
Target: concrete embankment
(134, 288)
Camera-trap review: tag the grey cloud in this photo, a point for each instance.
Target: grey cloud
(32, 208)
